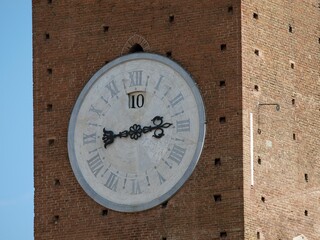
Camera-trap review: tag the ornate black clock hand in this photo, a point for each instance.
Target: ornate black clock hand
(136, 131)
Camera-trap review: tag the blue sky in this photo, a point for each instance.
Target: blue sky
(16, 120)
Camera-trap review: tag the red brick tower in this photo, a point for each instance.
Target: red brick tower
(280, 65)
(256, 64)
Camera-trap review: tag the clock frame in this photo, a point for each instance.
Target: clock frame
(136, 132)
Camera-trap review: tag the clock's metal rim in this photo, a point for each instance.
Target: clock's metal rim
(201, 112)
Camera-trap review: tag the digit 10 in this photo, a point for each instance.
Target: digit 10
(136, 101)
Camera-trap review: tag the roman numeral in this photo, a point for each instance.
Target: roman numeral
(147, 178)
(135, 187)
(105, 100)
(135, 78)
(95, 164)
(176, 100)
(177, 154)
(178, 113)
(112, 88)
(166, 93)
(94, 124)
(97, 111)
(161, 178)
(89, 138)
(158, 83)
(166, 163)
(183, 126)
(112, 182)
(125, 181)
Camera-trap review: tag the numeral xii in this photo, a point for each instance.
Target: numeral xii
(135, 78)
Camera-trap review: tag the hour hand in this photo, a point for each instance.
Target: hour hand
(109, 136)
(136, 131)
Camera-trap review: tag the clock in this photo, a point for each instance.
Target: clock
(136, 132)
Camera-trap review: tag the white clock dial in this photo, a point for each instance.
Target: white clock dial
(136, 132)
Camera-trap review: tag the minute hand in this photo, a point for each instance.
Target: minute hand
(136, 131)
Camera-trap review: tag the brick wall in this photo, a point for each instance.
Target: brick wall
(71, 41)
(280, 55)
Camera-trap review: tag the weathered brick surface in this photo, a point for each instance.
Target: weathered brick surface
(239, 61)
(76, 38)
(288, 145)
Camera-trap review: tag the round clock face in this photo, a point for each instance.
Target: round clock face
(136, 132)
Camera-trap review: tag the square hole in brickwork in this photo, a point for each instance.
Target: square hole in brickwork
(256, 87)
(56, 219)
(164, 204)
(294, 136)
(217, 162)
(164, 238)
(259, 160)
(255, 15)
(222, 120)
(51, 141)
(105, 28)
(293, 101)
(49, 71)
(49, 107)
(47, 36)
(222, 83)
(306, 177)
(256, 52)
(258, 235)
(57, 182)
(230, 9)
(223, 234)
(104, 212)
(169, 54)
(217, 197)
(49, 1)
(292, 65)
(223, 47)
(290, 28)
(263, 199)
(306, 213)
(171, 18)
